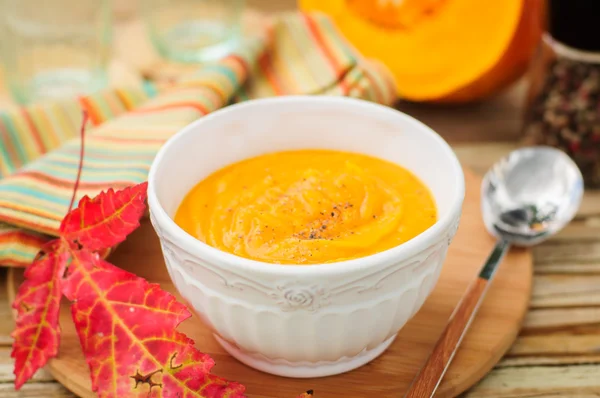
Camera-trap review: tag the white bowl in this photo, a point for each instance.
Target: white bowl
(316, 320)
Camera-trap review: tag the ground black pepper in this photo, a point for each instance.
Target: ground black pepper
(566, 114)
(563, 107)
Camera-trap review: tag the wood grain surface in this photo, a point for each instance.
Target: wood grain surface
(489, 337)
(557, 353)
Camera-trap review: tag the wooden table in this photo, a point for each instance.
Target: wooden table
(557, 353)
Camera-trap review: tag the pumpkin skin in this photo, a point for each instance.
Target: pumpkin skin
(513, 64)
(443, 51)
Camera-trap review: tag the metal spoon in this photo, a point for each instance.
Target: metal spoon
(528, 196)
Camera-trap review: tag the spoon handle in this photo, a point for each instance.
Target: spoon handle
(430, 376)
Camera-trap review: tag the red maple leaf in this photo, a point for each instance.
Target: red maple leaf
(126, 325)
(37, 333)
(107, 219)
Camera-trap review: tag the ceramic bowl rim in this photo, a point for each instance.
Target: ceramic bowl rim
(402, 251)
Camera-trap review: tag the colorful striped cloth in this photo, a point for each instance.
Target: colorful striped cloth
(298, 54)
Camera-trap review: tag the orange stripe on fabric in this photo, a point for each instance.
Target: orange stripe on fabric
(388, 81)
(109, 157)
(174, 105)
(54, 134)
(13, 263)
(66, 116)
(10, 147)
(375, 84)
(212, 95)
(316, 33)
(18, 222)
(29, 210)
(265, 63)
(206, 85)
(94, 115)
(129, 140)
(22, 237)
(34, 131)
(382, 81)
(125, 100)
(68, 184)
(241, 61)
(113, 102)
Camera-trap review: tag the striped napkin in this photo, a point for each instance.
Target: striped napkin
(39, 148)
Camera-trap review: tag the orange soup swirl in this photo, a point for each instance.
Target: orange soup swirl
(307, 207)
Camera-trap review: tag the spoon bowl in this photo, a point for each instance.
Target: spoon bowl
(530, 195)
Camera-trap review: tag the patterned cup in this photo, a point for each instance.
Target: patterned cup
(316, 320)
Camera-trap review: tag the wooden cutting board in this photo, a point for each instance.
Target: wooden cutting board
(491, 334)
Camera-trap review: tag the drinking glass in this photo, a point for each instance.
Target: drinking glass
(193, 30)
(54, 48)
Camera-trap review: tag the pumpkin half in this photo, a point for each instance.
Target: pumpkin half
(442, 50)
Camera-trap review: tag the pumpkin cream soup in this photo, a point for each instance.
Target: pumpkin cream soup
(307, 207)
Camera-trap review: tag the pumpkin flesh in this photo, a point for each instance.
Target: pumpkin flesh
(433, 47)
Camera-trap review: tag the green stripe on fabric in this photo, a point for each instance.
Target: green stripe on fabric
(149, 88)
(37, 192)
(37, 128)
(23, 256)
(13, 136)
(297, 34)
(222, 70)
(22, 253)
(7, 166)
(336, 38)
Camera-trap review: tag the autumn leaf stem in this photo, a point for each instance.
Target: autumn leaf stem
(81, 154)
